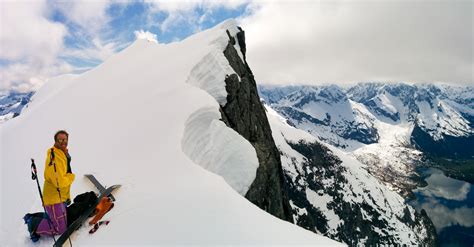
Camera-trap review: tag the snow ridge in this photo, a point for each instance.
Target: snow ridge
(219, 149)
(139, 143)
(207, 140)
(210, 72)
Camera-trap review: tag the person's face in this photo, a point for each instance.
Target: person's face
(61, 141)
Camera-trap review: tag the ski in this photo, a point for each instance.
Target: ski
(98, 185)
(77, 223)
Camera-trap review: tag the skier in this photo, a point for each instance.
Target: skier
(58, 178)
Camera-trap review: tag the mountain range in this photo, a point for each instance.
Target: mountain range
(12, 103)
(393, 127)
(206, 157)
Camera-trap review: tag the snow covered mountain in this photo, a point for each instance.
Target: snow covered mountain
(325, 111)
(332, 193)
(389, 127)
(439, 110)
(184, 173)
(442, 115)
(361, 145)
(12, 103)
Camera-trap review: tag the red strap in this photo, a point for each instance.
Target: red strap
(96, 225)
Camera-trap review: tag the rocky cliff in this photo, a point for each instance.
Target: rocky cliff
(244, 113)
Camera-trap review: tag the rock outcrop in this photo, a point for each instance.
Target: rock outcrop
(245, 114)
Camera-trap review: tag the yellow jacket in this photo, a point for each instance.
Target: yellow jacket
(52, 178)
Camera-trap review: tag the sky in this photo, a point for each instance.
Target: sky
(288, 42)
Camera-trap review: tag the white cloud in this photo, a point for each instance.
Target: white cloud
(30, 43)
(191, 5)
(27, 34)
(96, 50)
(146, 35)
(26, 77)
(90, 15)
(185, 12)
(33, 45)
(347, 41)
(175, 19)
(287, 41)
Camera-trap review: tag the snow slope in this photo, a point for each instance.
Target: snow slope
(383, 210)
(131, 121)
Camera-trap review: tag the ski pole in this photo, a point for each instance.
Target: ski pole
(34, 176)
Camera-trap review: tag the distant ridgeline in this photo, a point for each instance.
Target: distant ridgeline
(443, 116)
(12, 103)
(438, 119)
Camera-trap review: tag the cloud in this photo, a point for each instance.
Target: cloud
(89, 15)
(350, 41)
(146, 35)
(90, 22)
(287, 41)
(33, 47)
(95, 51)
(26, 77)
(43, 38)
(191, 5)
(191, 13)
(27, 34)
(30, 44)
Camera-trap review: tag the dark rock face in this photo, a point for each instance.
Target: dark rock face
(245, 114)
(319, 166)
(361, 132)
(296, 116)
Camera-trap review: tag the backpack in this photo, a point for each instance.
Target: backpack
(81, 204)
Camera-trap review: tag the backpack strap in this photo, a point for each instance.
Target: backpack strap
(51, 160)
